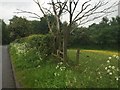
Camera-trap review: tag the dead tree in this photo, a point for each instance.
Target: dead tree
(83, 15)
(57, 11)
(75, 16)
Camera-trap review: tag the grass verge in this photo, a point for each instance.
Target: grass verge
(96, 69)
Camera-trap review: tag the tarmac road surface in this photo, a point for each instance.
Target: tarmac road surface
(8, 80)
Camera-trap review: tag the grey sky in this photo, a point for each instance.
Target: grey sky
(8, 7)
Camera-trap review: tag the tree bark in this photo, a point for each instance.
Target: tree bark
(65, 41)
(58, 35)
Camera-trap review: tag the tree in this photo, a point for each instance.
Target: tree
(106, 33)
(58, 8)
(19, 27)
(39, 27)
(70, 7)
(5, 34)
(80, 37)
(83, 15)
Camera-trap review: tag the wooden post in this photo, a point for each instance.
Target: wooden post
(77, 56)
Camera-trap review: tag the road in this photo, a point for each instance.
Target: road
(0, 67)
(7, 73)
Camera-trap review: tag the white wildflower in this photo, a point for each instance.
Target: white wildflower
(117, 69)
(40, 58)
(109, 66)
(117, 79)
(55, 74)
(108, 61)
(58, 74)
(61, 63)
(113, 67)
(61, 68)
(114, 55)
(108, 70)
(110, 73)
(99, 73)
(105, 68)
(100, 76)
(117, 57)
(38, 66)
(110, 58)
(57, 66)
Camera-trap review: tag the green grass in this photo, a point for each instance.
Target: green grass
(33, 72)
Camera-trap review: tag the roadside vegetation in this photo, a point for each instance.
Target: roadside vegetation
(52, 53)
(96, 68)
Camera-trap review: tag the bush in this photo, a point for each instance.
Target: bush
(43, 43)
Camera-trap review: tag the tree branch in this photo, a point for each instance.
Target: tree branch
(22, 11)
(97, 6)
(82, 9)
(37, 2)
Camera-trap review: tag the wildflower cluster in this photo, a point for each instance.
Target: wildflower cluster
(71, 82)
(116, 56)
(60, 66)
(21, 48)
(111, 69)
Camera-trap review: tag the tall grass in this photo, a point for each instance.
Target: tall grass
(96, 69)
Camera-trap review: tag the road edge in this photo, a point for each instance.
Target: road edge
(13, 70)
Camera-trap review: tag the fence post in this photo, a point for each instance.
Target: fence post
(77, 56)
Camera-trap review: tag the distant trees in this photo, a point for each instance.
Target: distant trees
(80, 37)
(42, 27)
(108, 32)
(5, 34)
(21, 27)
(105, 34)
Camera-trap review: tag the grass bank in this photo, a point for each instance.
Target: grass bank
(96, 69)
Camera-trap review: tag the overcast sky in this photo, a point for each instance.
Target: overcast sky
(8, 7)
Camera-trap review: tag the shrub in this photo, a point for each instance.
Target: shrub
(43, 43)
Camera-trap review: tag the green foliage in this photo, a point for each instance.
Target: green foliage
(80, 37)
(103, 35)
(92, 72)
(39, 27)
(19, 27)
(42, 43)
(5, 33)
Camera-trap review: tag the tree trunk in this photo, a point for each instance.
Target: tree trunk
(59, 38)
(65, 38)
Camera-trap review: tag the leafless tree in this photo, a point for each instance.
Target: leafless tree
(81, 16)
(100, 9)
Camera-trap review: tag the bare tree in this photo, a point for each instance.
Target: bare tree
(87, 10)
(57, 10)
(83, 15)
